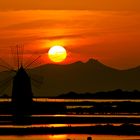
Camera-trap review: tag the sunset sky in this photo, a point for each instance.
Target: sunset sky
(106, 30)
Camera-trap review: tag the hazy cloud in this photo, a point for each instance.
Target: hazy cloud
(70, 4)
(35, 38)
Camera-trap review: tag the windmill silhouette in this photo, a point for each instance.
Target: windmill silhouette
(22, 95)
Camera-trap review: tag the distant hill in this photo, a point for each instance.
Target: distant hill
(80, 77)
(91, 76)
(115, 94)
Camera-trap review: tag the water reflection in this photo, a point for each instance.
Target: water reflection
(90, 116)
(74, 100)
(83, 100)
(69, 136)
(56, 125)
(57, 137)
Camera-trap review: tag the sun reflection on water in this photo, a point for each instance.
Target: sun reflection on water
(57, 137)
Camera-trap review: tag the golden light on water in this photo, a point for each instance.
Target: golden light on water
(57, 137)
(57, 125)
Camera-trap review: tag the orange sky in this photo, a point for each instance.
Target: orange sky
(70, 4)
(108, 31)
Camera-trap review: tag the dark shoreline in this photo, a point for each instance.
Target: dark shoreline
(105, 130)
(72, 120)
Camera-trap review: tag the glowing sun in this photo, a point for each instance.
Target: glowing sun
(57, 54)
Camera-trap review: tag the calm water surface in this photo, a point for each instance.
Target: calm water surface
(75, 100)
(69, 136)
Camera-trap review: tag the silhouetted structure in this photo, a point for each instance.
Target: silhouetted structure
(21, 96)
(89, 138)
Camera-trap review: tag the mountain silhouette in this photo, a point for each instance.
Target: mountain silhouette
(80, 77)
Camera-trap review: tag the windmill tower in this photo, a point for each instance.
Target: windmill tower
(22, 95)
(21, 91)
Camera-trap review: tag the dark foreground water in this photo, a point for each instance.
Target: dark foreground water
(69, 136)
(71, 121)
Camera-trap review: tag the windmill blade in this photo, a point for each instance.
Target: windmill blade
(5, 85)
(21, 54)
(5, 88)
(34, 61)
(13, 55)
(17, 55)
(7, 68)
(5, 65)
(20, 50)
(3, 82)
(6, 75)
